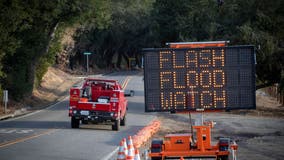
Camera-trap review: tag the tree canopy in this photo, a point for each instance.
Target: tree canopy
(31, 32)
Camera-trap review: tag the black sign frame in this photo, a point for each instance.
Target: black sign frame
(238, 88)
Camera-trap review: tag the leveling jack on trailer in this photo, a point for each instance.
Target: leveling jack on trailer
(184, 145)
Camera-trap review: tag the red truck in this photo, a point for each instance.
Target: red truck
(98, 101)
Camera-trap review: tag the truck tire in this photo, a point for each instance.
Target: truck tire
(123, 121)
(75, 122)
(156, 158)
(116, 125)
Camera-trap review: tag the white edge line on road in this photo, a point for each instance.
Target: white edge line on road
(30, 114)
(53, 105)
(107, 157)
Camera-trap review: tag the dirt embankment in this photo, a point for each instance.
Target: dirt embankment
(54, 86)
(266, 106)
(259, 133)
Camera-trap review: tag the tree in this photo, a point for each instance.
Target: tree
(259, 23)
(28, 29)
(122, 36)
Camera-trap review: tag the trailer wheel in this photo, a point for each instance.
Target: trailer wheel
(123, 121)
(116, 125)
(75, 122)
(156, 146)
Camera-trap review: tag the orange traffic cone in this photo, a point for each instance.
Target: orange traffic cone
(181, 158)
(137, 156)
(121, 154)
(130, 155)
(125, 146)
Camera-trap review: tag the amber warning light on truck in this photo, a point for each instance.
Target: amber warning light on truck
(219, 78)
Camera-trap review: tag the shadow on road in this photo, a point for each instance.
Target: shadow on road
(63, 125)
(124, 133)
(36, 124)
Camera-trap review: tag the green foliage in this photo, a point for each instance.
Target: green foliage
(122, 28)
(31, 32)
(261, 29)
(27, 44)
(127, 26)
(122, 31)
(48, 59)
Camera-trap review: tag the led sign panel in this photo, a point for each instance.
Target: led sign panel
(219, 78)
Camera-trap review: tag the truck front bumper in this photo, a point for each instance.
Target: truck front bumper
(94, 116)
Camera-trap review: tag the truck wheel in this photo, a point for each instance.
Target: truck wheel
(156, 158)
(123, 121)
(75, 122)
(116, 125)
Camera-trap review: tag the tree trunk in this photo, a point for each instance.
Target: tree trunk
(34, 64)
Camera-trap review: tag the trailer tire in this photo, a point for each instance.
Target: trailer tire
(75, 122)
(123, 121)
(116, 125)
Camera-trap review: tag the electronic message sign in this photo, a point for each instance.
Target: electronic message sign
(217, 78)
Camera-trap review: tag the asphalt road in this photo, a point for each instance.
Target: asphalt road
(46, 134)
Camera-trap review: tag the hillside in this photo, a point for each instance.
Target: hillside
(54, 87)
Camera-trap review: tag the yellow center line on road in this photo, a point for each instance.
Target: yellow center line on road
(5, 144)
(122, 85)
(125, 82)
